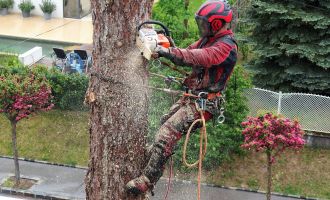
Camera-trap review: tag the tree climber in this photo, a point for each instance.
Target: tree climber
(212, 59)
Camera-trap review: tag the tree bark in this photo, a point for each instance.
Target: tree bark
(269, 174)
(15, 151)
(118, 99)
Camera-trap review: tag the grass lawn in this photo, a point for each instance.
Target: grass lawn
(304, 173)
(54, 136)
(62, 137)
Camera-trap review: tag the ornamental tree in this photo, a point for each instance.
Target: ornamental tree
(272, 134)
(22, 93)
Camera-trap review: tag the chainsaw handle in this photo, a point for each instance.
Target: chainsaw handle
(167, 31)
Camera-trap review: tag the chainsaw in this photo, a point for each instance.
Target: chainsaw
(149, 38)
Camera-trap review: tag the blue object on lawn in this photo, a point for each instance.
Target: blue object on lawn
(75, 62)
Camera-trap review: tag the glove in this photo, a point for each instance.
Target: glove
(161, 51)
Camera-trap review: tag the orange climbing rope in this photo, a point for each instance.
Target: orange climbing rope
(202, 147)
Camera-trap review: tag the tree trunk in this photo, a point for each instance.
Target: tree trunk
(118, 99)
(185, 21)
(269, 174)
(15, 151)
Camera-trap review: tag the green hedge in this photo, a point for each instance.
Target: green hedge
(68, 89)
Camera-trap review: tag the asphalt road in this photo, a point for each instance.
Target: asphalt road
(67, 182)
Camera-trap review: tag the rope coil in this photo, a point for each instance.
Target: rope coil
(202, 147)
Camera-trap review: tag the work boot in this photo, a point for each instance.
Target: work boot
(139, 185)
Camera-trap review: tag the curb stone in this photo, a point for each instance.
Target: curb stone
(45, 162)
(43, 196)
(23, 193)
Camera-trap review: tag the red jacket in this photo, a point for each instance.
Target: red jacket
(212, 60)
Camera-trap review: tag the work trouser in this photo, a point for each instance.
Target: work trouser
(174, 124)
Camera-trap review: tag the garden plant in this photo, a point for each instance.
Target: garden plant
(47, 7)
(26, 6)
(5, 5)
(273, 135)
(22, 93)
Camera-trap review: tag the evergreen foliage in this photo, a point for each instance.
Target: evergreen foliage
(292, 44)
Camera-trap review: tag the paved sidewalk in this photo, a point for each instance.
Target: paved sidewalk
(8, 197)
(59, 30)
(67, 182)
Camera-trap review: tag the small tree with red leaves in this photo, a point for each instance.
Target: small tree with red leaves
(22, 94)
(272, 134)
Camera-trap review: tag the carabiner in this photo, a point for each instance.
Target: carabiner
(221, 119)
(158, 64)
(203, 95)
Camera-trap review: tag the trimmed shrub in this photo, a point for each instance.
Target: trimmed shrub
(68, 89)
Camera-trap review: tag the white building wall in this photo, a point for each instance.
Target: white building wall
(58, 13)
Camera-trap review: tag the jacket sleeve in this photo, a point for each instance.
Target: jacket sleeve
(205, 57)
(194, 45)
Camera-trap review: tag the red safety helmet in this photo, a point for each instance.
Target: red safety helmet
(212, 16)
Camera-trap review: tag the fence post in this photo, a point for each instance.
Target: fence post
(279, 103)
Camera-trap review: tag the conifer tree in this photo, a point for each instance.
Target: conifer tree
(292, 44)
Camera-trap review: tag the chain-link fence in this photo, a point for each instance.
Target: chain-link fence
(312, 111)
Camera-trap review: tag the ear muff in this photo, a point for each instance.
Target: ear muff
(216, 25)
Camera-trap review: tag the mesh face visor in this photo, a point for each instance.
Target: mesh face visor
(203, 26)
